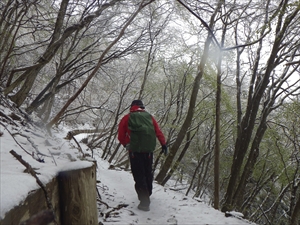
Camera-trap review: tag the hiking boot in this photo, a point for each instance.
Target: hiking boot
(144, 208)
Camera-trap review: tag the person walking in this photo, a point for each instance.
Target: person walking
(137, 132)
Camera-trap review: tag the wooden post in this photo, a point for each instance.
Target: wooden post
(77, 194)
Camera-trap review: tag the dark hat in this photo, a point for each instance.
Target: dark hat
(138, 103)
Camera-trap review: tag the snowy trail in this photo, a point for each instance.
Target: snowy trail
(167, 206)
(116, 187)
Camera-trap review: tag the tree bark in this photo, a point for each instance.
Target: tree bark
(217, 140)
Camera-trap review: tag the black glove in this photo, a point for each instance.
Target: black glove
(127, 147)
(164, 149)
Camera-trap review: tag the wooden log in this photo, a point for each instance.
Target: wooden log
(77, 194)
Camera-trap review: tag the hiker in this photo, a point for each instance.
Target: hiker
(137, 133)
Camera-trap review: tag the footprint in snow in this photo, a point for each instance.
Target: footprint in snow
(172, 221)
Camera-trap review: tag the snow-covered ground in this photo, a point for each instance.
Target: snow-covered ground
(167, 206)
(119, 201)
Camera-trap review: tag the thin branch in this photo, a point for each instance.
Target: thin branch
(79, 147)
(203, 23)
(15, 139)
(214, 37)
(292, 63)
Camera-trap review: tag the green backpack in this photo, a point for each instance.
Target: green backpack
(142, 133)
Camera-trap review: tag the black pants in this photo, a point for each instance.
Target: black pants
(141, 168)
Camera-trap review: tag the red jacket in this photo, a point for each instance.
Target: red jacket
(124, 132)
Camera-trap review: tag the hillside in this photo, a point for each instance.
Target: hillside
(117, 202)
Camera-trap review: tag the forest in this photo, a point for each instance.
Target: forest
(222, 78)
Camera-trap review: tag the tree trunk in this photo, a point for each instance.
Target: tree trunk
(217, 142)
(249, 167)
(188, 120)
(218, 126)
